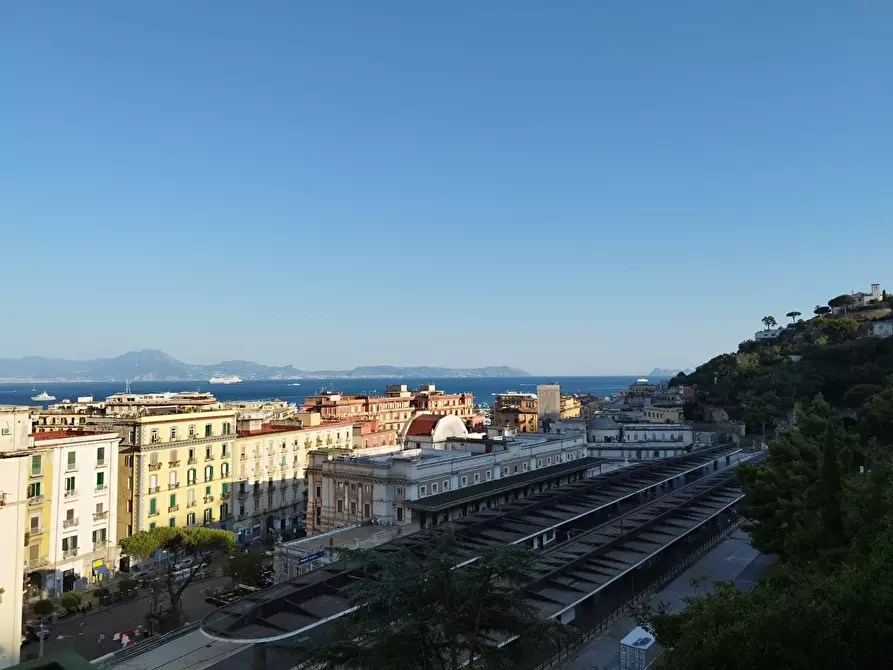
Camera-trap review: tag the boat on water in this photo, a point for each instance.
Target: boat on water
(225, 380)
(43, 396)
(296, 384)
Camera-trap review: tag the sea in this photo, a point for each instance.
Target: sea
(483, 388)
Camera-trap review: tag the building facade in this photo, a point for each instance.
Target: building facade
(642, 441)
(71, 517)
(428, 399)
(517, 411)
(376, 487)
(663, 414)
(268, 481)
(177, 469)
(13, 511)
(548, 397)
(570, 407)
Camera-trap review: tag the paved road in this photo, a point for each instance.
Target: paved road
(81, 633)
(728, 560)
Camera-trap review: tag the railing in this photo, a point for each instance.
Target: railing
(71, 493)
(35, 531)
(225, 495)
(208, 521)
(100, 488)
(174, 485)
(243, 457)
(100, 463)
(70, 523)
(69, 467)
(153, 514)
(155, 466)
(32, 563)
(68, 553)
(191, 461)
(35, 500)
(173, 464)
(209, 479)
(100, 544)
(209, 458)
(192, 504)
(154, 489)
(35, 474)
(243, 495)
(209, 499)
(98, 516)
(173, 508)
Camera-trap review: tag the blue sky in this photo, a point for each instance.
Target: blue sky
(571, 188)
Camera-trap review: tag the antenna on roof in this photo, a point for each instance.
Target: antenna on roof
(126, 386)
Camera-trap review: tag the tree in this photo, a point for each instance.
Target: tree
(416, 610)
(769, 322)
(844, 300)
(70, 601)
(43, 608)
(126, 586)
(199, 544)
(840, 330)
(245, 567)
(821, 310)
(793, 316)
(100, 593)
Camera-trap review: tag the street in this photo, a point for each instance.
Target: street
(81, 633)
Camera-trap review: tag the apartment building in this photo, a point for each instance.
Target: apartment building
(377, 485)
(68, 414)
(517, 411)
(369, 433)
(129, 404)
(639, 441)
(548, 401)
(13, 509)
(663, 414)
(176, 469)
(392, 413)
(569, 407)
(70, 522)
(429, 399)
(270, 410)
(268, 479)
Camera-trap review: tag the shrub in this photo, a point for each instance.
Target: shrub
(126, 586)
(70, 601)
(100, 593)
(43, 608)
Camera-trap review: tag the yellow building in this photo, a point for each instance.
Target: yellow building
(176, 469)
(664, 415)
(569, 407)
(516, 410)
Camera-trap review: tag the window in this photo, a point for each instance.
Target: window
(339, 505)
(191, 431)
(152, 526)
(505, 471)
(539, 462)
(223, 450)
(399, 515)
(398, 490)
(477, 477)
(100, 507)
(434, 487)
(208, 429)
(173, 500)
(34, 490)
(36, 465)
(269, 501)
(446, 484)
(192, 455)
(172, 479)
(70, 543)
(525, 467)
(209, 453)
(340, 485)
(464, 481)
(72, 461)
(353, 506)
(100, 481)
(173, 432)
(100, 455)
(172, 522)
(69, 484)
(489, 475)
(367, 511)
(318, 491)
(153, 506)
(549, 461)
(423, 490)
(190, 519)
(155, 435)
(207, 490)
(209, 473)
(190, 497)
(208, 515)
(226, 429)
(515, 469)
(35, 522)
(190, 476)
(153, 482)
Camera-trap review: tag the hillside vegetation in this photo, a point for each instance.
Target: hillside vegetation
(822, 502)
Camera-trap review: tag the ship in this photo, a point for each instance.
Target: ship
(43, 396)
(225, 380)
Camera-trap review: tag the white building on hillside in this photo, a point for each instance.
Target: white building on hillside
(640, 441)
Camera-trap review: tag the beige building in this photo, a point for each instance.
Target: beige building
(129, 404)
(663, 414)
(68, 414)
(517, 411)
(570, 407)
(268, 479)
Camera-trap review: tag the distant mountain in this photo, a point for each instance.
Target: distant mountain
(154, 365)
(668, 372)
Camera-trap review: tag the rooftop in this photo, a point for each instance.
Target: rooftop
(424, 424)
(64, 434)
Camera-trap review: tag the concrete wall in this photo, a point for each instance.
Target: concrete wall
(13, 487)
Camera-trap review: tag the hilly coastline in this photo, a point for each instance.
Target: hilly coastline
(154, 365)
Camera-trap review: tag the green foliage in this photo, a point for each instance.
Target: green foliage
(416, 611)
(769, 322)
(245, 567)
(126, 586)
(100, 593)
(44, 608)
(70, 601)
(793, 316)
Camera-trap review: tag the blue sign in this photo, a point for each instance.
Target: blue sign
(311, 557)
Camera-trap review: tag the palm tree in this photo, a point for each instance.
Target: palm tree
(793, 316)
(769, 322)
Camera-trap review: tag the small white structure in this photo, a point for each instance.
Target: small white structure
(768, 334)
(638, 649)
(882, 328)
(431, 431)
(639, 441)
(862, 299)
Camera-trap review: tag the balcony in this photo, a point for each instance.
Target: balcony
(71, 493)
(243, 457)
(225, 495)
(209, 499)
(191, 504)
(100, 545)
(210, 458)
(101, 489)
(191, 461)
(34, 563)
(155, 466)
(35, 500)
(153, 514)
(173, 464)
(99, 516)
(191, 482)
(70, 523)
(208, 521)
(174, 485)
(35, 531)
(209, 479)
(101, 463)
(71, 467)
(243, 495)
(173, 508)
(35, 474)
(154, 489)
(70, 553)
